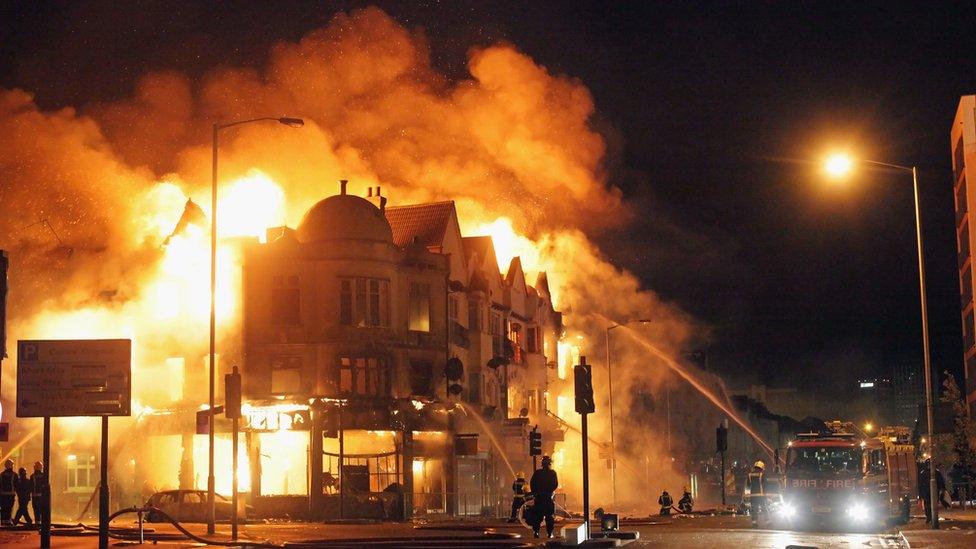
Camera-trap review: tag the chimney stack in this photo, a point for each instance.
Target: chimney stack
(377, 190)
(382, 202)
(342, 186)
(369, 193)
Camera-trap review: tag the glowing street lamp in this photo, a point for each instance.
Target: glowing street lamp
(287, 121)
(837, 166)
(868, 427)
(613, 448)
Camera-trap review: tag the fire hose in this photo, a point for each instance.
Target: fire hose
(131, 534)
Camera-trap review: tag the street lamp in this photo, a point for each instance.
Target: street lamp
(287, 121)
(613, 448)
(839, 165)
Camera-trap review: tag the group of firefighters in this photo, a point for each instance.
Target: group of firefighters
(22, 489)
(540, 489)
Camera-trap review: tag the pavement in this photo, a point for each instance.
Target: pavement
(958, 529)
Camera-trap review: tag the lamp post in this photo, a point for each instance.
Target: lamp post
(839, 165)
(613, 447)
(294, 123)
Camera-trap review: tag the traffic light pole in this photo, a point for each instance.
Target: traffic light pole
(583, 381)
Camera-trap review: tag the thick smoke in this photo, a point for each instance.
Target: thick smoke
(512, 142)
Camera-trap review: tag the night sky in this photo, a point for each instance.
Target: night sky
(714, 116)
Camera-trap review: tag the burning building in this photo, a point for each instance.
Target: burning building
(413, 365)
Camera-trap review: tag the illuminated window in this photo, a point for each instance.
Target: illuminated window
(364, 302)
(496, 328)
(286, 375)
(363, 376)
(285, 301)
(81, 473)
(419, 307)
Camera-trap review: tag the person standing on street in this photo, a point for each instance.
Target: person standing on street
(8, 492)
(543, 485)
(666, 502)
(757, 492)
(518, 497)
(25, 489)
(42, 494)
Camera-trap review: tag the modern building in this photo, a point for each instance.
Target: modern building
(390, 368)
(962, 143)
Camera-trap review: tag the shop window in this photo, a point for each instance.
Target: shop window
(286, 375)
(81, 473)
(285, 301)
(421, 376)
(363, 376)
(364, 302)
(419, 319)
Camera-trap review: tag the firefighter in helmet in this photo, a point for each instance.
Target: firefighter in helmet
(686, 503)
(518, 495)
(757, 493)
(666, 502)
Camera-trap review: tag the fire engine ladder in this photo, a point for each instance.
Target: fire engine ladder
(566, 425)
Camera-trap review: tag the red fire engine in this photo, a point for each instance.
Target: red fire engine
(849, 480)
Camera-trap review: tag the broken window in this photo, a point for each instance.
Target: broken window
(286, 375)
(419, 319)
(364, 302)
(363, 376)
(285, 301)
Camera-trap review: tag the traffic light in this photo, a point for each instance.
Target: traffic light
(721, 438)
(535, 443)
(232, 395)
(583, 380)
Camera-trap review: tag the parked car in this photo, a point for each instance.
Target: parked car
(191, 506)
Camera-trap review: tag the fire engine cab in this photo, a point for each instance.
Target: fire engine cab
(849, 480)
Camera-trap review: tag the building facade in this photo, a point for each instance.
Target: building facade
(389, 368)
(962, 143)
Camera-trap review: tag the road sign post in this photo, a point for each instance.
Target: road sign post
(74, 378)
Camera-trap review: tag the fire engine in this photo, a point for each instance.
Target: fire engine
(848, 480)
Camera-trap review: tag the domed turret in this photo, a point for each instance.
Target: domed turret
(344, 216)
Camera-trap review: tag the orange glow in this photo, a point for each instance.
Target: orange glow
(838, 165)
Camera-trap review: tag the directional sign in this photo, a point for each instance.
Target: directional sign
(69, 378)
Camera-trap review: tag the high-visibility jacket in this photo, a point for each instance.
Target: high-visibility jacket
(518, 487)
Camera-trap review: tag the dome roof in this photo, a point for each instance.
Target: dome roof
(344, 216)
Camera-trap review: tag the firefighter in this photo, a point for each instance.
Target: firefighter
(665, 501)
(686, 503)
(543, 485)
(757, 494)
(40, 500)
(8, 491)
(518, 497)
(25, 489)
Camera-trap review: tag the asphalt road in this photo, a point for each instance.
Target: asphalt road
(697, 532)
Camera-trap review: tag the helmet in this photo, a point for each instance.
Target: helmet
(684, 488)
(760, 464)
(546, 459)
(9, 463)
(520, 475)
(38, 465)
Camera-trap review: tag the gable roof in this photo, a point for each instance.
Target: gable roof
(425, 222)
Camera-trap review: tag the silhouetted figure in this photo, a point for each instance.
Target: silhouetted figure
(666, 502)
(41, 498)
(25, 489)
(757, 492)
(518, 495)
(543, 485)
(8, 491)
(923, 487)
(686, 503)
